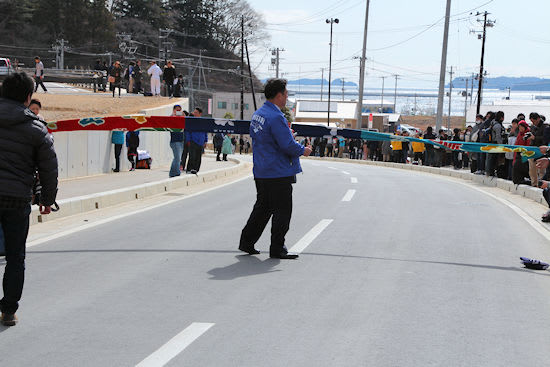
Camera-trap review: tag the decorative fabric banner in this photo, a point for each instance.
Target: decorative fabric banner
(211, 125)
(526, 152)
(150, 123)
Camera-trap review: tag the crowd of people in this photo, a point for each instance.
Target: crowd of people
(487, 129)
(132, 76)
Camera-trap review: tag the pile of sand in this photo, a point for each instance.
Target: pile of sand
(61, 106)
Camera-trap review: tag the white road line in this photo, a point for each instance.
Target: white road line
(354, 180)
(175, 345)
(348, 195)
(345, 172)
(116, 217)
(332, 167)
(537, 226)
(310, 236)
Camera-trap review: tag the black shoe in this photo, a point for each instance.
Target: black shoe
(250, 251)
(284, 255)
(9, 319)
(193, 172)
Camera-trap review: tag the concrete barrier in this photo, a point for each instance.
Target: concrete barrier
(87, 153)
(529, 192)
(86, 203)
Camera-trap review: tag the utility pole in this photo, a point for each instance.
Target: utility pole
(472, 89)
(466, 100)
(450, 94)
(330, 21)
(486, 23)
(395, 93)
(359, 109)
(242, 67)
(59, 49)
(276, 61)
(382, 101)
(322, 81)
(343, 88)
(251, 78)
(443, 68)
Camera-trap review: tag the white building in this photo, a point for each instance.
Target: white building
(224, 102)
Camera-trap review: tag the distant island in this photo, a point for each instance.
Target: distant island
(318, 82)
(524, 83)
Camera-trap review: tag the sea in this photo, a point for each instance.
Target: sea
(410, 101)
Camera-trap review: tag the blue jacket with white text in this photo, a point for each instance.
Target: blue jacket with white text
(275, 152)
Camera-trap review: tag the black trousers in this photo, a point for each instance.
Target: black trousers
(195, 157)
(273, 200)
(218, 152)
(118, 149)
(169, 88)
(38, 82)
(184, 156)
(15, 224)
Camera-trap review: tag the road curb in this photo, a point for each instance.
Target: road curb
(529, 192)
(87, 203)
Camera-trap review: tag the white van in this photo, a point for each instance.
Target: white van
(5, 66)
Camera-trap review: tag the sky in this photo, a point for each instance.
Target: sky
(405, 38)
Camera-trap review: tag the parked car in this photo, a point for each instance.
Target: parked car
(5, 66)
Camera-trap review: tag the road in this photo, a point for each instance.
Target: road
(409, 269)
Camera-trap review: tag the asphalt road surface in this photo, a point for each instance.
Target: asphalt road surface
(397, 268)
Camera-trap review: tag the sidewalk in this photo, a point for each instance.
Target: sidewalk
(74, 187)
(82, 195)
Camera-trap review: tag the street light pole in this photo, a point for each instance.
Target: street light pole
(330, 21)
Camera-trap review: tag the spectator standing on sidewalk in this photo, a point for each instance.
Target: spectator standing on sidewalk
(176, 143)
(136, 77)
(540, 136)
(178, 86)
(155, 72)
(496, 134)
(457, 155)
(39, 74)
(512, 136)
(520, 169)
(276, 157)
(169, 75)
(226, 148)
(429, 155)
(115, 78)
(132, 143)
(241, 145)
(218, 144)
(117, 138)
(418, 150)
(25, 146)
(197, 141)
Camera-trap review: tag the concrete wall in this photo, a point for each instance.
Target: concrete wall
(86, 153)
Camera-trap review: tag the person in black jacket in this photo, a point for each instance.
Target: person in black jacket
(136, 75)
(218, 143)
(430, 154)
(116, 76)
(169, 75)
(25, 147)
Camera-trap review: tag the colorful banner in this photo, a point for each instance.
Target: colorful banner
(150, 123)
(211, 125)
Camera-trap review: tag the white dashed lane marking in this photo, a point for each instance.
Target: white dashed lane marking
(310, 236)
(176, 345)
(349, 195)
